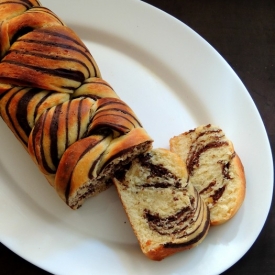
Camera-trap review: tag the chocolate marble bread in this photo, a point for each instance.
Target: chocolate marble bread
(53, 98)
(165, 210)
(214, 169)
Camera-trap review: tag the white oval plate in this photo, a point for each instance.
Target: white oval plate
(174, 81)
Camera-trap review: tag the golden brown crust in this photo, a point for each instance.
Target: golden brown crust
(69, 177)
(115, 115)
(124, 147)
(163, 252)
(95, 88)
(10, 9)
(55, 59)
(54, 132)
(240, 194)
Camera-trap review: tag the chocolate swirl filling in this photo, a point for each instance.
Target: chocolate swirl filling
(220, 159)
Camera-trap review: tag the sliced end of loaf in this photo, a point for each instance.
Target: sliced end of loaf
(87, 166)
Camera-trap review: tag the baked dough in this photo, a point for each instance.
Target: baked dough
(165, 210)
(214, 168)
(52, 96)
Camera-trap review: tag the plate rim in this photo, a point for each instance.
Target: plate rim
(169, 17)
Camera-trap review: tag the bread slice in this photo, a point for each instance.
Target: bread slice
(214, 169)
(165, 211)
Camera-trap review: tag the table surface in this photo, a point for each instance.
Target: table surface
(243, 32)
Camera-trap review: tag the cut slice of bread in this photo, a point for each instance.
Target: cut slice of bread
(165, 211)
(214, 169)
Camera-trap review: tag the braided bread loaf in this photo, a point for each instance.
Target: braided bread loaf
(52, 96)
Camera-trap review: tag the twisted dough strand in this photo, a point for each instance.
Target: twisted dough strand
(52, 96)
